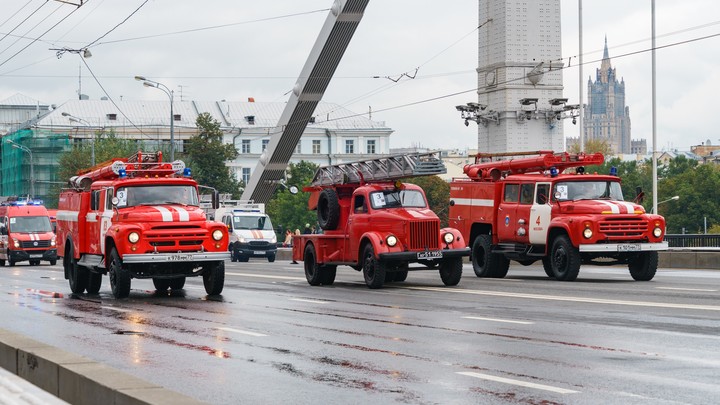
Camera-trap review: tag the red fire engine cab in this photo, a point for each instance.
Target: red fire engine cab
(375, 224)
(526, 209)
(138, 217)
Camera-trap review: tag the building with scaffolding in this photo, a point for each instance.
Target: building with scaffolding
(334, 135)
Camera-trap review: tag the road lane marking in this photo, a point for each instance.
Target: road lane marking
(265, 276)
(569, 299)
(685, 289)
(518, 382)
(498, 320)
(242, 332)
(115, 309)
(310, 301)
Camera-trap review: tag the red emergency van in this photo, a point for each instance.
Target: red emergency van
(26, 233)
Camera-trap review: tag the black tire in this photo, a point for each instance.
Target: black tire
(328, 209)
(11, 262)
(2, 263)
(119, 276)
(565, 259)
(547, 266)
(77, 276)
(451, 271)
(389, 276)
(177, 283)
(233, 256)
(373, 270)
(243, 259)
(53, 262)
(327, 274)
(94, 282)
(485, 263)
(34, 262)
(161, 284)
(313, 273)
(214, 277)
(271, 258)
(644, 266)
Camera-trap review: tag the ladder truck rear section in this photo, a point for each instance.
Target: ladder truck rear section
(138, 217)
(377, 224)
(525, 208)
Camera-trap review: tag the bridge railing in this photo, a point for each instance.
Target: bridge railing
(693, 241)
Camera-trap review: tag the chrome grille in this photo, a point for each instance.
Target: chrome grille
(174, 238)
(424, 235)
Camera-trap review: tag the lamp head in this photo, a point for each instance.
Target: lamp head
(87, 53)
(140, 78)
(64, 114)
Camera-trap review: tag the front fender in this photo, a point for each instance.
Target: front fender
(563, 226)
(458, 240)
(378, 243)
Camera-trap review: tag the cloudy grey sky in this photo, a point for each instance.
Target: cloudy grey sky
(235, 49)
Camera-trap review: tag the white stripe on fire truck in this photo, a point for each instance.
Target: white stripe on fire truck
(91, 217)
(628, 206)
(474, 202)
(71, 216)
(184, 215)
(613, 207)
(166, 214)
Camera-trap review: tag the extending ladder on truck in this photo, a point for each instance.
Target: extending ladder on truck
(386, 168)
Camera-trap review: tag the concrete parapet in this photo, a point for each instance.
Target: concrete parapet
(77, 379)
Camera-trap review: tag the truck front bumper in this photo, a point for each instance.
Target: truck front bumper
(259, 250)
(624, 247)
(412, 257)
(175, 257)
(22, 255)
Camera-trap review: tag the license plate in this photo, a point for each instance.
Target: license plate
(259, 252)
(179, 257)
(36, 256)
(628, 247)
(432, 255)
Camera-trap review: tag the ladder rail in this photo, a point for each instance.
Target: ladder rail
(385, 168)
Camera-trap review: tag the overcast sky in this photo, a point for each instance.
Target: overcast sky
(235, 49)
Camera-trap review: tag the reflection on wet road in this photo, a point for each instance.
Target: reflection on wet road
(272, 338)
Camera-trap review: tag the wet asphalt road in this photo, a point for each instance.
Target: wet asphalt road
(272, 338)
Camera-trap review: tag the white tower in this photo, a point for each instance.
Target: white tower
(519, 77)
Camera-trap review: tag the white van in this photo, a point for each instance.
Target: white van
(251, 231)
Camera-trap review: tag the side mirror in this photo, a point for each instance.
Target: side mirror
(639, 195)
(215, 199)
(115, 201)
(230, 228)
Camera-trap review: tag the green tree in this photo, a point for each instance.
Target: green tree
(290, 211)
(107, 147)
(207, 156)
(437, 191)
(699, 190)
(593, 146)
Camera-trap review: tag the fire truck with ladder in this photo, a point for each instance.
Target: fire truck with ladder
(376, 224)
(138, 217)
(524, 208)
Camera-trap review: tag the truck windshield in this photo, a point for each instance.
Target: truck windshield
(588, 190)
(397, 198)
(156, 195)
(30, 224)
(255, 223)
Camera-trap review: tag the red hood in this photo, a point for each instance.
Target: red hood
(162, 213)
(601, 207)
(32, 236)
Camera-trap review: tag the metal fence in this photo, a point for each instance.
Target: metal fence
(693, 241)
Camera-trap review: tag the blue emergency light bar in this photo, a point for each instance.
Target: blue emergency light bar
(22, 203)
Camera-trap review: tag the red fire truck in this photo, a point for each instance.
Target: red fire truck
(138, 217)
(26, 233)
(375, 224)
(526, 209)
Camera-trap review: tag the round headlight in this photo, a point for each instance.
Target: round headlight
(133, 237)
(16, 243)
(448, 237)
(217, 234)
(587, 233)
(657, 232)
(391, 240)
(53, 242)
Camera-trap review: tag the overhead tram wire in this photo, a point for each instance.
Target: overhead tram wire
(19, 37)
(23, 21)
(15, 13)
(518, 79)
(38, 38)
(119, 24)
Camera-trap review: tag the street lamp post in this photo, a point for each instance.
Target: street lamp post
(673, 198)
(32, 168)
(73, 118)
(157, 85)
